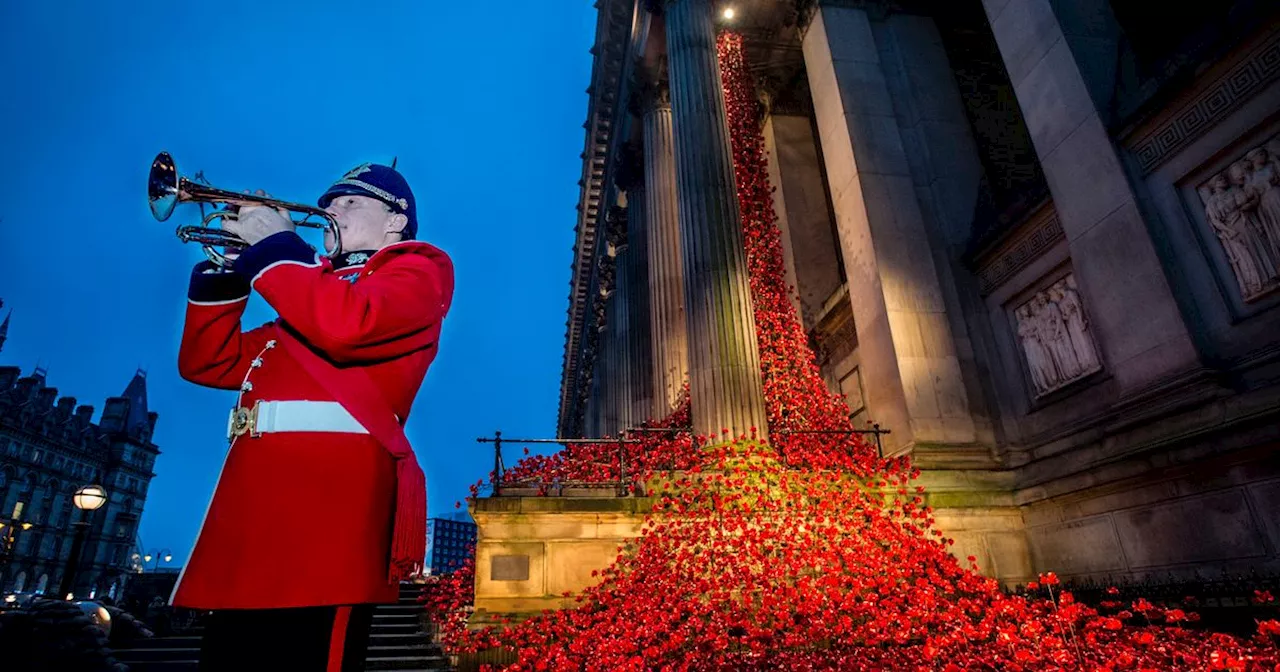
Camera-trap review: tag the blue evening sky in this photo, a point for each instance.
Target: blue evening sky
(482, 102)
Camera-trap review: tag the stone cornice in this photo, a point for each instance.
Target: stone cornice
(1024, 243)
(803, 11)
(1223, 91)
(611, 53)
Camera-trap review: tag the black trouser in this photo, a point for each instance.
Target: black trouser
(319, 639)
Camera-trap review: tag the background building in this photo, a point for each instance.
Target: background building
(450, 541)
(1038, 241)
(49, 447)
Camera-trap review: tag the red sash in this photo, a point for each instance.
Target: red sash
(352, 387)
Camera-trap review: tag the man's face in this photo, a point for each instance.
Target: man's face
(364, 222)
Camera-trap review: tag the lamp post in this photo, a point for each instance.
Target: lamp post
(164, 553)
(88, 498)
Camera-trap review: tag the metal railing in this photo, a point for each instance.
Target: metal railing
(1224, 601)
(499, 479)
(875, 431)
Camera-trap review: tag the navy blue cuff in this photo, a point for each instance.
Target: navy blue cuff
(210, 284)
(283, 246)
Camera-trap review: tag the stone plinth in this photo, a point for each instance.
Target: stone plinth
(531, 551)
(977, 509)
(535, 553)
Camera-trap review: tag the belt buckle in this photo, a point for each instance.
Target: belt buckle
(244, 421)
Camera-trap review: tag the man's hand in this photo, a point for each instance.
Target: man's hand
(255, 222)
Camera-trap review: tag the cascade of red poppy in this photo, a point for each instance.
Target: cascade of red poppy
(812, 553)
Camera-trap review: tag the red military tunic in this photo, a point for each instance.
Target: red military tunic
(304, 518)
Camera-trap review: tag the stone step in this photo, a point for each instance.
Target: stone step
(402, 664)
(398, 639)
(380, 618)
(398, 609)
(439, 663)
(400, 650)
(156, 654)
(394, 609)
(399, 630)
(176, 642)
(164, 666)
(401, 627)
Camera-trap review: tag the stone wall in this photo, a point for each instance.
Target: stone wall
(1199, 517)
(977, 509)
(535, 553)
(531, 551)
(1195, 519)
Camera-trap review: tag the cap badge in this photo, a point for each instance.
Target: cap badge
(357, 171)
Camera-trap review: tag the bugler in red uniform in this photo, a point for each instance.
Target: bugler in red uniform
(304, 518)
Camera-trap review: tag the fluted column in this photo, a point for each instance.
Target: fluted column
(593, 403)
(620, 318)
(668, 340)
(612, 337)
(608, 415)
(724, 364)
(639, 361)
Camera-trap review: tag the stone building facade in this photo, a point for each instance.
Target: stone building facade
(49, 447)
(1037, 240)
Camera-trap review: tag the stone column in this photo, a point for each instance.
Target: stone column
(592, 421)
(596, 346)
(780, 209)
(908, 355)
(607, 369)
(620, 326)
(810, 230)
(668, 342)
(639, 362)
(724, 364)
(1132, 308)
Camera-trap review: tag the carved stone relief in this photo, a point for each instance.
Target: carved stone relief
(1053, 332)
(1242, 204)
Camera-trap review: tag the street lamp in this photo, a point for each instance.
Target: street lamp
(88, 498)
(163, 553)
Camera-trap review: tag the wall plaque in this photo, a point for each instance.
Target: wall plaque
(509, 568)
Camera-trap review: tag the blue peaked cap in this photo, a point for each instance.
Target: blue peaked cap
(380, 182)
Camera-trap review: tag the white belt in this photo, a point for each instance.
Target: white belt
(292, 416)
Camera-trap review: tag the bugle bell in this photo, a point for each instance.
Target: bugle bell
(166, 189)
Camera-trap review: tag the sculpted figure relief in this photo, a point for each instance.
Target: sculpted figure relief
(1242, 204)
(1053, 331)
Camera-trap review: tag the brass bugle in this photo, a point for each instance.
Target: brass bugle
(166, 189)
